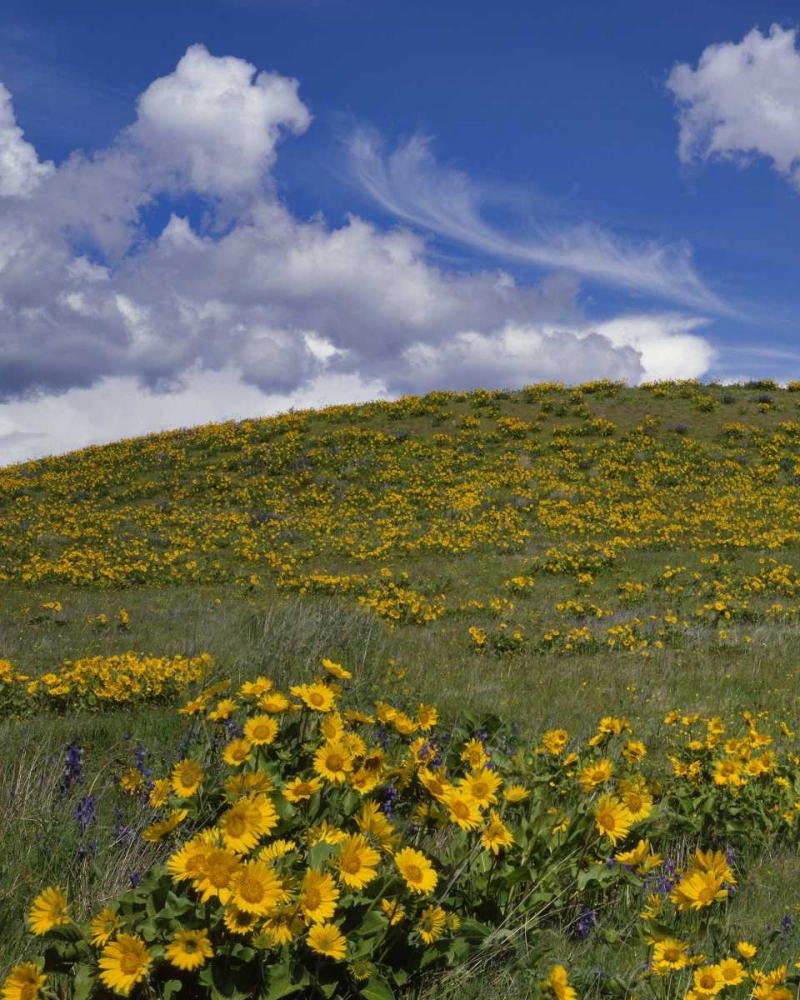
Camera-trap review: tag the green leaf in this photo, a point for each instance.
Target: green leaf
(171, 986)
(377, 989)
(83, 982)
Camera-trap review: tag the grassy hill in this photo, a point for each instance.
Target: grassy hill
(553, 556)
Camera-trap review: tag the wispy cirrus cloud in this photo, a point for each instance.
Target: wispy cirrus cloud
(410, 184)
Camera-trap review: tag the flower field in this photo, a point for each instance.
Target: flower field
(485, 694)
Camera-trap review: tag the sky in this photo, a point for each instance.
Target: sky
(225, 209)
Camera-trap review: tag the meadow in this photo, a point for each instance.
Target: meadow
(597, 587)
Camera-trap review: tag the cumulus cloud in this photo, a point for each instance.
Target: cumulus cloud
(412, 185)
(20, 169)
(742, 100)
(109, 327)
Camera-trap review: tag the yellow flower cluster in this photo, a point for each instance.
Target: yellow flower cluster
(93, 682)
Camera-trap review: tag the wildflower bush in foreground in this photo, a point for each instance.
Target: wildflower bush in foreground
(312, 848)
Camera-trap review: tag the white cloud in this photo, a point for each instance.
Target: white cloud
(20, 169)
(216, 124)
(410, 184)
(665, 343)
(742, 99)
(118, 408)
(108, 329)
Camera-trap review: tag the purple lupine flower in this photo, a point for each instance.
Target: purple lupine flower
(85, 813)
(73, 768)
(586, 923)
(390, 797)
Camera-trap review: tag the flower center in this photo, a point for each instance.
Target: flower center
(235, 825)
(312, 898)
(130, 964)
(252, 890)
(413, 873)
(351, 864)
(335, 762)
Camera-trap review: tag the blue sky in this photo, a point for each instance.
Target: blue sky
(575, 188)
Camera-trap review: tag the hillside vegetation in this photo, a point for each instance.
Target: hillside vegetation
(618, 566)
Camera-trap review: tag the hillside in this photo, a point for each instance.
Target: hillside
(553, 556)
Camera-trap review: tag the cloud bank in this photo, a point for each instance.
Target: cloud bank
(111, 325)
(741, 101)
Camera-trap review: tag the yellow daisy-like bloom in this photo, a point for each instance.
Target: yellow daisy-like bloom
(417, 870)
(357, 861)
(732, 971)
(393, 910)
(48, 910)
(261, 730)
(364, 781)
(432, 922)
(558, 983)
(353, 715)
(712, 861)
(124, 963)
(255, 689)
(159, 793)
(435, 782)
(246, 822)
(634, 751)
(297, 790)
(336, 670)
(132, 782)
(669, 955)
(239, 785)
(216, 876)
(636, 856)
(189, 950)
(325, 939)
(237, 752)
(277, 849)
(427, 716)
(239, 921)
(746, 950)
(333, 762)
(496, 835)
(697, 890)
(464, 810)
(332, 728)
(361, 970)
(516, 793)
(273, 702)
(224, 710)
(257, 889)
(474, 754)
(186, 778)
(371, 820)
(283, 926)
(188, 861)
(24, 982)
(612, 818)
(482, 786)
(157, 832)
(728, 772)
(595, 774)
(318, 896)
(103, 927)
(555, 741)
(707, 981)
(318, 697)
(325, 832)
(637, 799)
